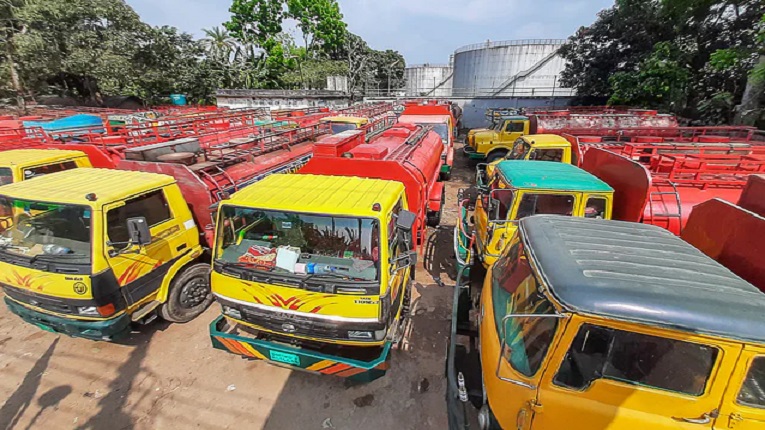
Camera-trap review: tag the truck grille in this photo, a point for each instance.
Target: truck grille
(294, 325)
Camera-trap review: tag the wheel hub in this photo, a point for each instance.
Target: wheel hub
(194, 293)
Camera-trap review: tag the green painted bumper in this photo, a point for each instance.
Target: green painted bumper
(112, 329)
(471, 153)
(360, 369)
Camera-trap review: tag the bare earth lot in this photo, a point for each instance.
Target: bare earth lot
(169, 376)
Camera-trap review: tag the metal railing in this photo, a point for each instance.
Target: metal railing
(499, 44)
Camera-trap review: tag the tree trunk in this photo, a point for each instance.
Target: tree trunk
(15, 80)
(748, 112)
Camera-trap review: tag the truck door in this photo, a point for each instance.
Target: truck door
(743, 407)
(140, 269)
(609, 375)
(513, 130)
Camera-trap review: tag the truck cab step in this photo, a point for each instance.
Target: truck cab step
(146, 314)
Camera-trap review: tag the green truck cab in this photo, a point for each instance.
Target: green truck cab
(520, 189)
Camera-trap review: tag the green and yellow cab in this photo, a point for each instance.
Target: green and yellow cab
(519, 189)
(599, 324)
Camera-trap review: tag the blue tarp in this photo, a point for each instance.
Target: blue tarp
(74, 123)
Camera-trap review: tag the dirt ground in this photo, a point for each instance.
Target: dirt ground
(169, 377)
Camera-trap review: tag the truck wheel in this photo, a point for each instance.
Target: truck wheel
(189, 295)
(487, 420)
(494, 156)
(434, 218)
(445, 176)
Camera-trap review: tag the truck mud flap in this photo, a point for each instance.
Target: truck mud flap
(298, 358)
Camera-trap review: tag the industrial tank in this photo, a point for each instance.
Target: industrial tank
(429, 80)
(513, 68)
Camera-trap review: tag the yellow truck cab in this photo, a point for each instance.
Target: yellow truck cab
(597, 324)
(18, 165)
(314, 273)
(339, 124)
(493, 143)
(539, 147)
(87, 252)
(524, 188)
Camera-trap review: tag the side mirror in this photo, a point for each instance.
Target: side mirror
(405, 221)
(138, 231)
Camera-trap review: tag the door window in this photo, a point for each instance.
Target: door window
(636, 359)
(153, 206)
(753, 390)
(595, 208)
(549, 155)
(48, 169)
(516, 291)
(550, 204)
(514, 127)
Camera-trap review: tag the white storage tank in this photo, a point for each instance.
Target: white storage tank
(428, 80)
(513, 68)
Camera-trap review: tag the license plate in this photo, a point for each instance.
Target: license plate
(285, 357)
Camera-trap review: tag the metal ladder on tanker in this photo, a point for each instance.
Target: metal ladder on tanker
(219, 179)
(657, 197)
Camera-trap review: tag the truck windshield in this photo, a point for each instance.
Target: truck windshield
(45, 230)
(6, 176)
(299, 243)
(443, 131)
(339, 127)
(498, 126)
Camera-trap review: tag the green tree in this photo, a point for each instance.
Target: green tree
(218, 43)
(690, 56)
(320, 22)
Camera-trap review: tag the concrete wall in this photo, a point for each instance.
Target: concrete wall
(516, 68)
(431, 79)
(281, 99)
(474, 109)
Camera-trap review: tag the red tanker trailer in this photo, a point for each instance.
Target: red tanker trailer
(496, 142)
(733, 234)
(406, 153)
(663, 189)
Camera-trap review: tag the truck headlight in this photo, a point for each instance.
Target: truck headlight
(90, 311)
(360, 335)
(232, 312)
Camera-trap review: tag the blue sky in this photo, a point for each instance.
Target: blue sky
(425, 31)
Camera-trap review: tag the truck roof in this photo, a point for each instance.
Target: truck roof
(71, 186)
(546, 140)
(550, 175)
(337, 195)
(424, 119)
(34, 156)
(644, 274)
(346, 119)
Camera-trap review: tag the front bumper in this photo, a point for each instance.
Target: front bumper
(472, 153)
(361, 364)
(109, 330)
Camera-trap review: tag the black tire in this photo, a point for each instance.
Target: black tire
(189, 295)
(434, 219)
(493, 424)
(445, 176)
(494, 156)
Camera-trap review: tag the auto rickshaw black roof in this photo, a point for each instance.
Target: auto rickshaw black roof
(642, 273)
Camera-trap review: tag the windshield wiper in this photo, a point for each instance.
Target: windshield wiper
(261, 275)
